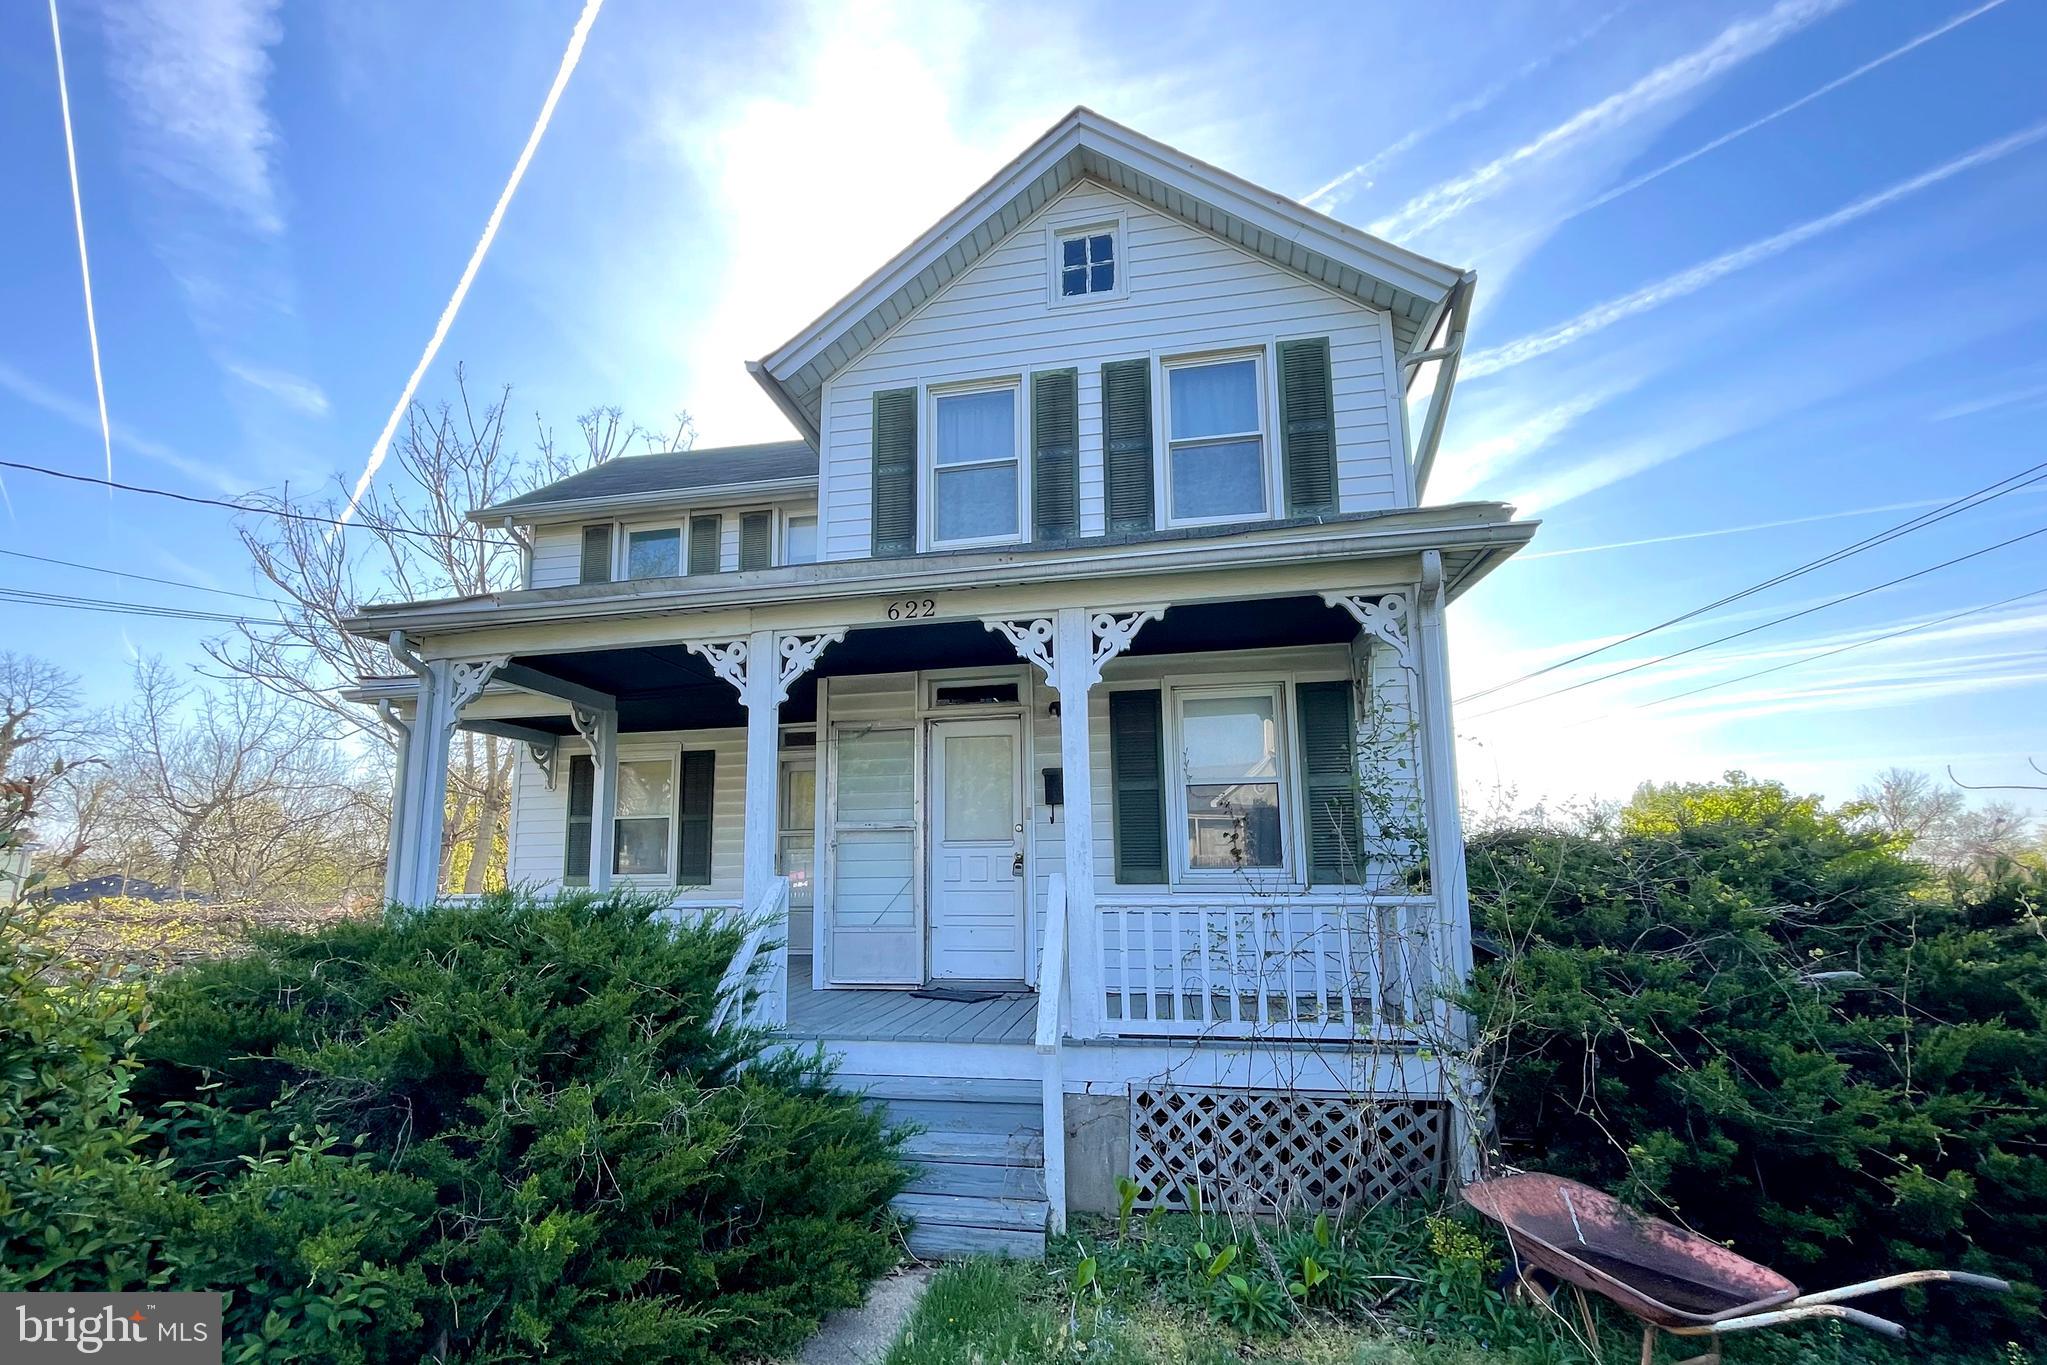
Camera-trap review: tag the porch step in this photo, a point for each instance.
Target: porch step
(979, 1155)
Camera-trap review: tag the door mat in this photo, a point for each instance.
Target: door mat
(958, 995)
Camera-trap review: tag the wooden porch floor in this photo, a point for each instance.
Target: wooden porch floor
(899, 1016)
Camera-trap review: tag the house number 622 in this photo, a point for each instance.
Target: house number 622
(912, 609)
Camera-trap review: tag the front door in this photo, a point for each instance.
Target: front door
(976, 856)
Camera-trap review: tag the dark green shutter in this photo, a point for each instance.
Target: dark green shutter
(596, 555)
(895, 472)
(1055, 453)
(706, 543)
(582, 804)
(693, 828)
(1307, 426)
(1329, 784)
(1128, 463)
(1137, 799)
(756, 540)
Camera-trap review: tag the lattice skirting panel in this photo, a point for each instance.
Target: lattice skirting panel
(1283, 1150)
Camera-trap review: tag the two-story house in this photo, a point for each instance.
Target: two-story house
(1068, 693)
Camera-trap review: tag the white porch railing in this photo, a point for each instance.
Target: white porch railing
(741, 999)
(1050, 1034)
(1268, 966)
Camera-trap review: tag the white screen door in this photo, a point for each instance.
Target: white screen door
(875, 937)
(977, 886)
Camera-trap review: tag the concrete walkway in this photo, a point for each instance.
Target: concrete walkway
(861, 1336)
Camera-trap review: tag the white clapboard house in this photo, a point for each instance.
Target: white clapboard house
(1068, 692)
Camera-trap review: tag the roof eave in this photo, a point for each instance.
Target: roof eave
(784, 402)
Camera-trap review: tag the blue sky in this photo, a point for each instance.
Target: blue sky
(1756, 281)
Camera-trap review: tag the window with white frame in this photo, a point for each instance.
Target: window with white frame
(799, 540)
(645, 815)
(654, 553)
(1087, 263)
(1215, 440)
(976, 491)
(1230, 786)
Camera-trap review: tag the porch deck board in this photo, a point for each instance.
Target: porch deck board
(899, 1016)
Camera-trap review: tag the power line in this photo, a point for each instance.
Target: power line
(283, 514)
(1843, 649)
(1968, 501)
(30, 598)
(141, 577)
(1751, 630)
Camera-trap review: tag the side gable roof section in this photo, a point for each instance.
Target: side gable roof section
(770, 467)
(1084, 144)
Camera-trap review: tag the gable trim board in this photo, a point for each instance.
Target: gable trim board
(1086, 145)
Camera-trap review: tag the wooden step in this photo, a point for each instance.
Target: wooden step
(977, 1211)
(953, 1116)
(945, 1089)
(978, 1178)
(950, 1242)
(992, 1149)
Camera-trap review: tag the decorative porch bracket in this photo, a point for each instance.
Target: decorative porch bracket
(795, 655)
(466, 680)
(1035, 640)
(1385, 616)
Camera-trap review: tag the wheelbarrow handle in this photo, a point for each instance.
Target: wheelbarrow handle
(1792, 1312)
(1878, 1286)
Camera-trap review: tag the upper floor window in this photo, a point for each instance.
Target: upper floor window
(1087, 263)
(799, 540)
(1215, 441)
(653, 554)
(976, 491)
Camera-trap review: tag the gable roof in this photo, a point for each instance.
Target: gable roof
(772, 466)
(1084, 145)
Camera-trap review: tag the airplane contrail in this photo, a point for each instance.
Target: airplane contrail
(92, 330)
(490, 232)
(1690, 281)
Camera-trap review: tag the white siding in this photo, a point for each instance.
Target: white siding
(557, 556)
(540, 816)
(1187, 292)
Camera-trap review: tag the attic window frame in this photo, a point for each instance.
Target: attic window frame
(1057, 234)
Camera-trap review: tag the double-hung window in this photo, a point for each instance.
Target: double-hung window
(1230, 785)
(1215, 440)
(646, 811)
(655, 553)
(976, 491)
(799, 540)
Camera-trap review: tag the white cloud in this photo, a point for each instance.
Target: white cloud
(303, 395)
(192, 75)
(1690, 281)
(1733, 46)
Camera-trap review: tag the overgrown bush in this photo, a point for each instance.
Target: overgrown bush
(505, 1131)
(1734, 1007)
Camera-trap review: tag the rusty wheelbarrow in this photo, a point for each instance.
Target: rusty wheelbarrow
(1670, 1279)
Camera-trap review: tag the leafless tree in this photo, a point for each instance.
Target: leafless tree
(1911, 805)
(39, 713)
(411, 539)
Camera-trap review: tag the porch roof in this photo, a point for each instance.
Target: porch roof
(1473, 537)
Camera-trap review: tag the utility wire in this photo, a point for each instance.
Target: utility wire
(28, 597)
(1989, 492)
(1843, 649)
(193, 498)
(1778, 621)
(141, 577)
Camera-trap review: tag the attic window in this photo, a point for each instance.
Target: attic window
(1087, 263)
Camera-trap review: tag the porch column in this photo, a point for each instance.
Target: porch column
(401, 806)
(1070, 648)
(445, 687)
(761, 666)
(598, 725)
